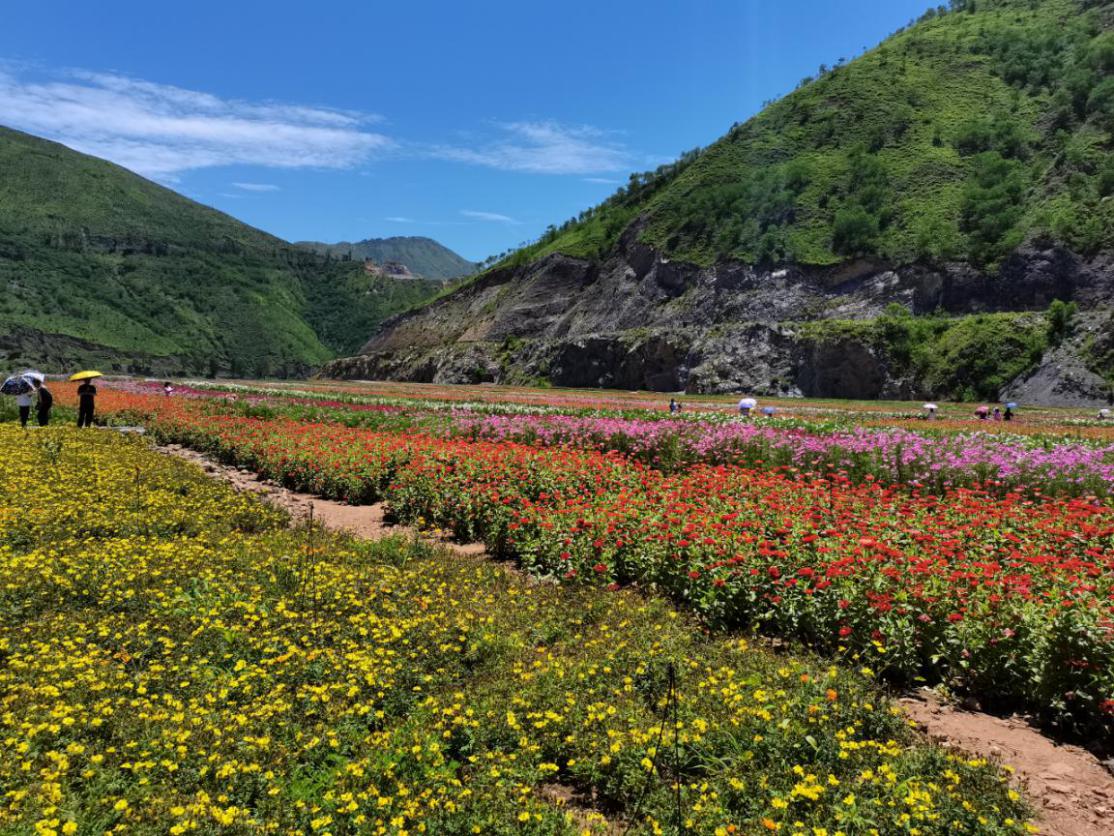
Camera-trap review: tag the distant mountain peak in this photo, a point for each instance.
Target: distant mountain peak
(423, 257)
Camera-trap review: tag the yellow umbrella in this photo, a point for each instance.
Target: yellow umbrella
(85, 375)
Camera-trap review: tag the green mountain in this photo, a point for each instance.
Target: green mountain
(423, 256)
(962, 166)
(99, 265)
(957, 138)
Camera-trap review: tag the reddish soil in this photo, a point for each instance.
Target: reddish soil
(366, 521)
(1070, 789)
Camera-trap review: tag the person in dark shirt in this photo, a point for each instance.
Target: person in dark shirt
(46, 402)
(87, 397)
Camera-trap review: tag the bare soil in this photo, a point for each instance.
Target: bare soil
(366, 521)
(1072, 792)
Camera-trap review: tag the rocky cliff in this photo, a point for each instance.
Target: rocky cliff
(642, 321)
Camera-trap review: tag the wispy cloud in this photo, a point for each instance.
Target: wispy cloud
(399, 219)
(607, 181)
(160, 131)
(543, 148)
(488, 216)
(257, 187)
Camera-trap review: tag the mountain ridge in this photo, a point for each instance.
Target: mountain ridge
(959, 170)
(425, 257)
(98, 264)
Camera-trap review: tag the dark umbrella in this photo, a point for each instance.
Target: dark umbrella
(16, 385)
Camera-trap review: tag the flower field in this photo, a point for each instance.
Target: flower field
(173, 659)
(1001, 590)
(1036, 456)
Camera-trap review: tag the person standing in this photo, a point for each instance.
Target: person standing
(87, 399)
(24, 402)
(45, 402)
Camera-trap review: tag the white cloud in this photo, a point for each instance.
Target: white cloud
(257, 187)
(543, 148)
(607, 181)
(398, 219)
(488, 216)
(159, 130)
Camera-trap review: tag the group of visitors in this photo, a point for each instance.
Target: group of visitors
(984, 414)
(39, 397)
(43, 401)
(746, 406)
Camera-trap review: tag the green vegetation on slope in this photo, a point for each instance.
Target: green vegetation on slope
(959, 358)
(423, 256)
(348, 305)
(111, 266)
(957, 138)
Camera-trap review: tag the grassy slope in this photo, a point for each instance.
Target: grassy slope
(424, 256)
(348, 305)
(891, 133)
(92, 251)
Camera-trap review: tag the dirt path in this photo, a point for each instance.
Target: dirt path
(1071, 791)
(366, 521)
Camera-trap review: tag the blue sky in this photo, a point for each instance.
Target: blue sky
(477, 123)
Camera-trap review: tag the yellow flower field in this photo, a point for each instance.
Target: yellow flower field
(173, 659)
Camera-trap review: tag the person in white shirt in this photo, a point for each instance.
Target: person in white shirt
(24, 402)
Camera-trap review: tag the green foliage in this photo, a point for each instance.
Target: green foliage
(346, 305)
(855, 231)
(1059, 317)
(992, 208)
(98, 265)
(961, 358)
(975, 357)
(881, 155)
(1101, 102)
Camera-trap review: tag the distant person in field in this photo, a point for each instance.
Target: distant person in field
(997, 416)
(168, 388)
(24, 402)
(674, 407)
(1104, 414)
(1008, 414)
(86, 403)
(45, 402)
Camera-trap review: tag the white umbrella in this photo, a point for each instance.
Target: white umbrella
(931, 407)
(31, 374)
(748, 403)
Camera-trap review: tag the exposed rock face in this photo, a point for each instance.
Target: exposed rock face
(22, 346)
(1060, 380)
(640, 321)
